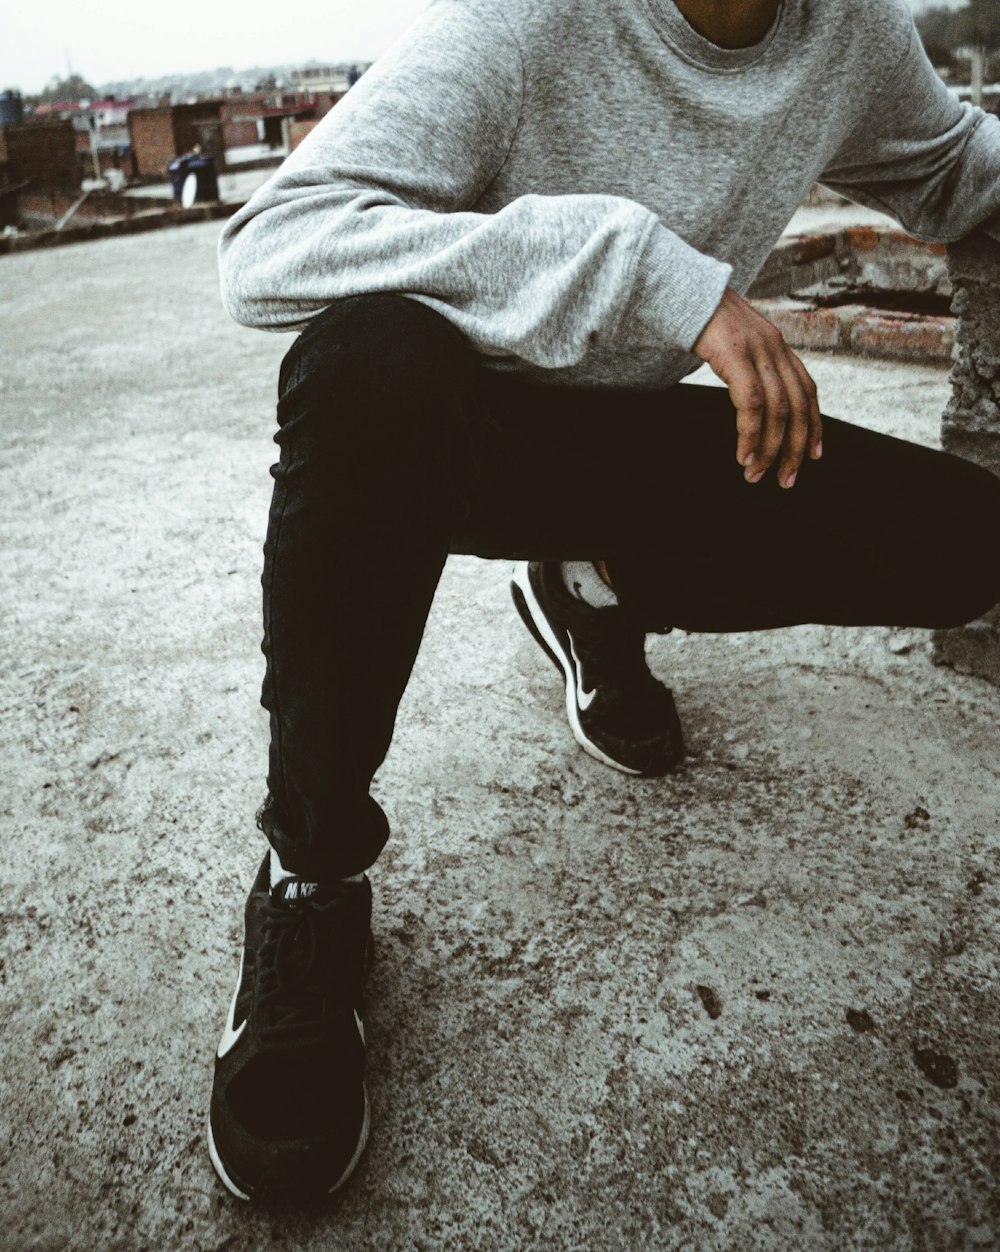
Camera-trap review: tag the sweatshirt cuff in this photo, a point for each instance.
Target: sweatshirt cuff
(675, 293)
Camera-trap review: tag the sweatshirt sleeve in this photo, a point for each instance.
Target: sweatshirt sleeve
(379, 198)
(921, 156)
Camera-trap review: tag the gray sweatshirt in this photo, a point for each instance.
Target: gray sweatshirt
(573, 183)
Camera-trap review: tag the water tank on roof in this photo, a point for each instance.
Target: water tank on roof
(199, 168)
(11, 108)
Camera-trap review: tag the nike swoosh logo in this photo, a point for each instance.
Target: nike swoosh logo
(583, 698)
(231, 1032)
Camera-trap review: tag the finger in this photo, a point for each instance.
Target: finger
(748, 400)
(777, 412)
(815, 440)
(793, 447)
(815, 416)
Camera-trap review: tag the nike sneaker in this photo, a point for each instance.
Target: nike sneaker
(618, 711)
(289, 1112)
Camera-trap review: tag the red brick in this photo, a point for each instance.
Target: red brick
(902, 336)
(862, 238)
(802, 325)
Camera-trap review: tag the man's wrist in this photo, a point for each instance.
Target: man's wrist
(676, 293)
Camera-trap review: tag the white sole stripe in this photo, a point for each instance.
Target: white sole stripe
(220, 1169)
(362, 1141)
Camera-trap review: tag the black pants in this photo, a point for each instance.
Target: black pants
(398, 447)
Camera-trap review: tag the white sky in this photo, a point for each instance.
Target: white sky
(136, 38)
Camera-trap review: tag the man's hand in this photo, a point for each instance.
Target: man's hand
(774, 395)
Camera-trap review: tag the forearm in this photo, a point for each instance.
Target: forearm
(540, 280)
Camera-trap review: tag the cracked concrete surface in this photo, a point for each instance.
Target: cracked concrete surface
(752, 1006)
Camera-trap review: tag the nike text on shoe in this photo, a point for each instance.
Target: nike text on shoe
(289, 1112)
(618, 711)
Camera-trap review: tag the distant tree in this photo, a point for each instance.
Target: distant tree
(982, 24)
(72, 88)
(975, 25)
(941, 56)
(936, 28)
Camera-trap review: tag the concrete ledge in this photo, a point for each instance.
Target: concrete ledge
(137, 224)
(970, 427)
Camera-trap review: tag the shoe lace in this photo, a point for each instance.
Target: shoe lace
(303, 978)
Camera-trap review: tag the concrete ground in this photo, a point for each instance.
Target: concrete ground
(751, 1006)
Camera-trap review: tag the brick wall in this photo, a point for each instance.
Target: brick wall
(971, 425)
(152, 136)
(239, 132)
(43, 153)
(44, 207)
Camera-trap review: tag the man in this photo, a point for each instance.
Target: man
(506, 247)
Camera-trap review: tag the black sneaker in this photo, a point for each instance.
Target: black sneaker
(618, 711)
(289, 1113)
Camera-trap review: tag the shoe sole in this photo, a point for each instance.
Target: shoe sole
(533, 616)
(352, 1164)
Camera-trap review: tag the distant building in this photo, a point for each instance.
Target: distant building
(273, 117)
(111, 112)
(160, 134)
(56, 108)
(243, 116)
(100, 128)
(39, 155)
(275, 125)
(335, 79)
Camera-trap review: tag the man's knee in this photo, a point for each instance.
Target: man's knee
(368, 346)
(380, 389)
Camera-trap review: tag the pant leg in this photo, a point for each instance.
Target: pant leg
(380, 443)
(880, 531)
